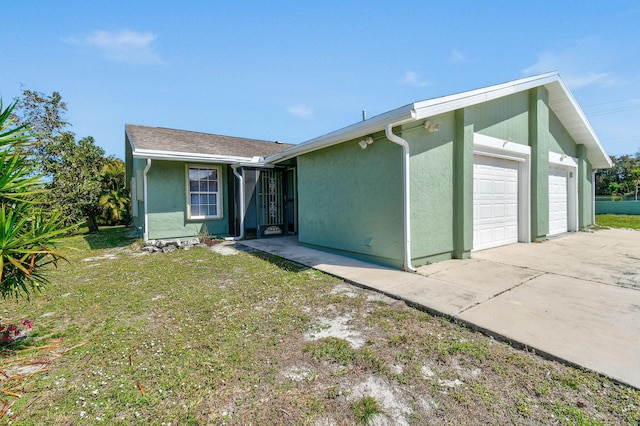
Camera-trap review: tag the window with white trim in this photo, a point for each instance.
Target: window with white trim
(204, 200)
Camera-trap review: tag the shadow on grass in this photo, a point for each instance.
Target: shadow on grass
(280, 262)
(109, 237)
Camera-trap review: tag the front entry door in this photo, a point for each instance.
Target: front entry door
(271, 217)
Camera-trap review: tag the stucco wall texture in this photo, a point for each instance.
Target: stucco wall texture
(167, 202)
(350, 199)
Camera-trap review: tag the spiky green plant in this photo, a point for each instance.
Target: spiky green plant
(18, 183)
(27, 233)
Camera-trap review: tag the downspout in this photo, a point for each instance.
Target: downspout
(234, 167)
(146, 200)
(593, 197)
(406, 195)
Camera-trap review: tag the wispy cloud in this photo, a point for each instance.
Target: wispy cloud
(301, 111)
(412, 78)
(457, 57)
(122, 46)
(577, 64)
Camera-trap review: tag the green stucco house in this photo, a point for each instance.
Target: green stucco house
(428, 181)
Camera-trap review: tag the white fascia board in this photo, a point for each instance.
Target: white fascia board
(573, 118)
(189, 156)
(560, 99)
(259, 165)
(374, 124)
(449, 103)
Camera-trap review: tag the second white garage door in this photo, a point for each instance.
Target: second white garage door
(495, 202)
(557, 200)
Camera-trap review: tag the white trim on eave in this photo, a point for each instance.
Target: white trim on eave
(189, 156)
(374, 124)
(561, 101)
(565, 106)
(431, 107)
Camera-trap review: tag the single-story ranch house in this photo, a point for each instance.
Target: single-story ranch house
(428, 181)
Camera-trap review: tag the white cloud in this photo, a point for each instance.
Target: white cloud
(123, 46)
(412, 78)
(301, 111)
(457, 57)
(577, 64)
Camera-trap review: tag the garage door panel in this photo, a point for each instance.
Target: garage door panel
(483, 212)
(512, 233)
(485, 187)
(495, 203)
(484, 236)
(558, 200)
(498, 234)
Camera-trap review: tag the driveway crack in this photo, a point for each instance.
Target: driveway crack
(503, 292)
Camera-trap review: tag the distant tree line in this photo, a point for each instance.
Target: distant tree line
(622, 181)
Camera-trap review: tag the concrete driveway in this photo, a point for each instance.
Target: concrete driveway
(575, 298)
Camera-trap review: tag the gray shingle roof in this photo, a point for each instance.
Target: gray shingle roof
(171, 140)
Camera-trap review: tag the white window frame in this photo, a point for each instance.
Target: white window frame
(218, 194)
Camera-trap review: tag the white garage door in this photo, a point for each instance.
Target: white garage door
(495, 202)
(557, 200)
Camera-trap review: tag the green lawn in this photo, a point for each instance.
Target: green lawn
(618, 221)
(195, 337)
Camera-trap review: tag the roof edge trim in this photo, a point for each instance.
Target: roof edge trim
(449, 103)
(585, 122)
(187, 156)
(374, 124)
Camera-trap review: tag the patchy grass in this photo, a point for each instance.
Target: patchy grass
(364, 409)
(194, 337)
(618, 221)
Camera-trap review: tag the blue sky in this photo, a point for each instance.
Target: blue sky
(291, 71)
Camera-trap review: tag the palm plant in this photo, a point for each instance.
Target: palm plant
(112, 174)
(114, 200)
(27, 234)
(114, 207)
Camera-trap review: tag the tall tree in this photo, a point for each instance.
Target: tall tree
(635, 179)
(27, 234)
(76, 168)
(44, 115)
(72, 168)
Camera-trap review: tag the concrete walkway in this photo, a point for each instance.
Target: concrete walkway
(575, 298)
